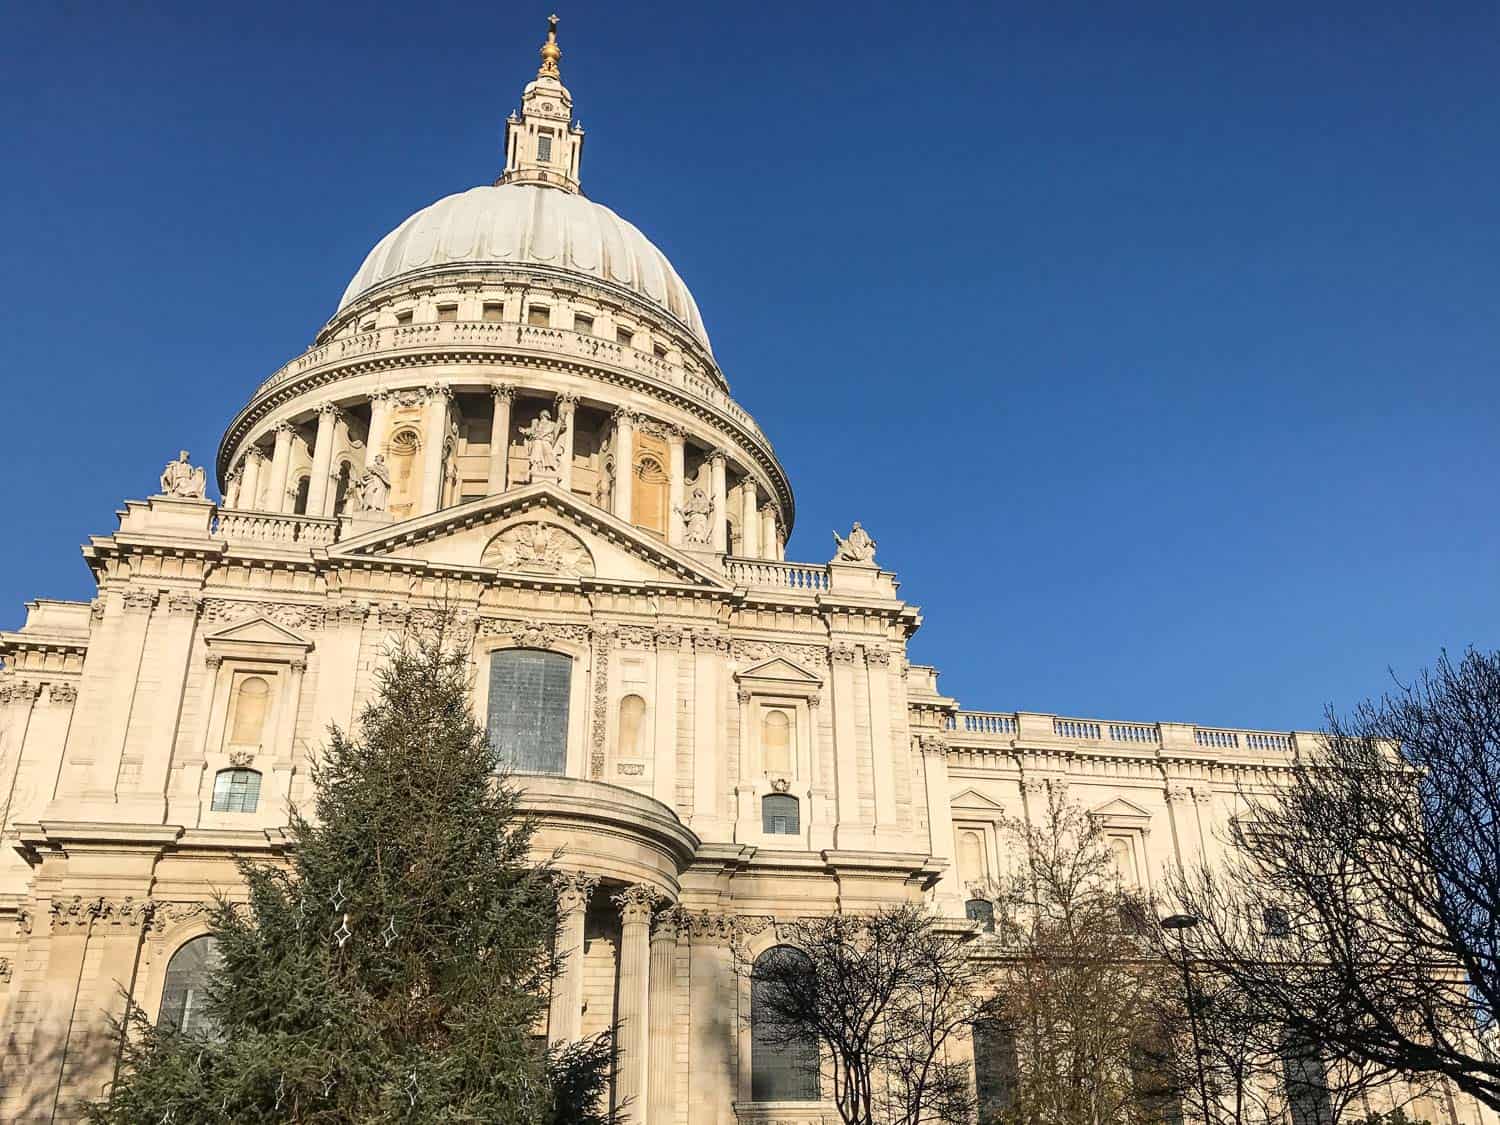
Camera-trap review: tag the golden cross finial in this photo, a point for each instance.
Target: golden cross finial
(551, 53)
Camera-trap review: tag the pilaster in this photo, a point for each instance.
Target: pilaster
(500, 439)
(566, 405)
(434, 436)
(624, 462)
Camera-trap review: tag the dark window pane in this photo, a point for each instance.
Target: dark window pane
(184, 994)
(780, 815)
(236, 791)
(783, 1057)
(528, 709)
(995, 1068)
(982, 911)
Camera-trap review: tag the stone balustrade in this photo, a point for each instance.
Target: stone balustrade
(268, 529)
(997, 727)
(526, 337)
(767, 574)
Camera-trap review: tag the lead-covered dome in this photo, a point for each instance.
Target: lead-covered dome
(524, 225)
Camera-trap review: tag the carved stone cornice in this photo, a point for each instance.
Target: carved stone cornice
(878, 656)
(182, 605)
(711, 927)
(636, 903)
(19, 691)
(668, 637)
(62, 693)
(842, 654)
(1178, 794)
(74, 913)
(139, 600)
(166, 915)
(712, 643)
(127, 913)
(933, 744)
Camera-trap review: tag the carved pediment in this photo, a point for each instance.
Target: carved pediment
(538, 531)
(974, 800)
(1121, 813)
(780, 670)
(257, 631)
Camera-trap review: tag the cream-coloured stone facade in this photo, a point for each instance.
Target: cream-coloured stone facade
(516, 413)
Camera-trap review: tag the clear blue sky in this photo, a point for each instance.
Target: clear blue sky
(1156, 343)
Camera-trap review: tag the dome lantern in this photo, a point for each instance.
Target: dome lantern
(543, 145)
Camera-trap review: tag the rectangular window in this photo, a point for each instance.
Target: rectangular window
(660, 350)
(544, 147)
(404, 316)
(528, 709)
(367, 326)
(583, 323)
(624, 337)
(539, 315)
(494, 312)
(236, 791)
(447, 314)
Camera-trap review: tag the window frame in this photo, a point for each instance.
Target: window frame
(578, 654)
(235, 773)
(758, 1076)
(768, 818)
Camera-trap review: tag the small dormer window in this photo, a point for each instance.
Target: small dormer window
(624, 337)
(539, 315)
(404, 316)
(494, 312)
(660, 350)
(544, 147)
(583, 324)
(447, 314)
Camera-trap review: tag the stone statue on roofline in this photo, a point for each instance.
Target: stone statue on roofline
(858, 547)
(182, 479)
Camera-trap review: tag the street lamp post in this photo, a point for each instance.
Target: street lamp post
(1180, 924)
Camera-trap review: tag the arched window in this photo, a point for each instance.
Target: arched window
(249, 708)
(341, 488)
(996, 1066)
(299, 496)
(783, 1055)
(528, 709)
(1122, 853)
(981, 910)
(780, 815)
(236, 790)
(632, 727)
(184, 994)
(971, 865)
(776, 743)
(402, 458)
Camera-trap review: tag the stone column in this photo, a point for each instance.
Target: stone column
(708, 736)
(719, 540)
(249, 494)
(322, 462)
(635, 905)
(380, 417)
(882, 763)
(845, 754)
(940, 818)
(661, 1078)
(500, 439)
(749, 521)
(566, 404)
(281, 463)
(624, 458)
(677, 484)
(768, 530)
(434, 434)
(232, 487)
(664, 773)
(565, 1015)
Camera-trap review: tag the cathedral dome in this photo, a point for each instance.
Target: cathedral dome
(535, 227)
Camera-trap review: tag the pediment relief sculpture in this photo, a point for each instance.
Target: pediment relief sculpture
(539, 548)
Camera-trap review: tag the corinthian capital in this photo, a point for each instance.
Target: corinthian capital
(637, 902)
(574, 889)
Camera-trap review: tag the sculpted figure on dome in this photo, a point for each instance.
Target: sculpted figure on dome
(181, 479)
(697, 517)
(543, 446)
(857, 548)
(374, 488)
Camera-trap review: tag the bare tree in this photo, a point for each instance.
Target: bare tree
(1357, 909)
(1076, 988)
(886, 996)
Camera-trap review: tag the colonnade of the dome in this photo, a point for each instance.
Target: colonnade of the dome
(430, 395)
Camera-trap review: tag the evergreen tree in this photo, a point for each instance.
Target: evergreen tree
(398, 970)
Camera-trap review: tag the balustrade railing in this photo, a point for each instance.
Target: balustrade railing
(983, 726)
(276, 530)
(770, 574)
(530, 336)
